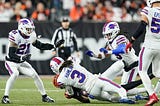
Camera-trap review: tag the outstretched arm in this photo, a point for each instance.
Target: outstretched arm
(119, 50)
(47, 46)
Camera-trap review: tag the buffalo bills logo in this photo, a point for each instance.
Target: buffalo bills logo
(112, 26)
(24, 22)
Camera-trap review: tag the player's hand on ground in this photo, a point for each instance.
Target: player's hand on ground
(104, 50)
(128, 47)
(59, 43)
(26, 57)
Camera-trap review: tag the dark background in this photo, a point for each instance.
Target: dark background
(82, 30)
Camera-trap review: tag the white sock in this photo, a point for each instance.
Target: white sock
(10, 83)
(39, 84)
(136, 91)
(146, 82)
(157, 88)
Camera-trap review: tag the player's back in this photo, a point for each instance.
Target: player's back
(76, 76)
(152, 37)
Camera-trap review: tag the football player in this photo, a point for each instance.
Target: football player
(150, 52)
(70, 91)
(20, 41)
(115, 44)
(73, 74)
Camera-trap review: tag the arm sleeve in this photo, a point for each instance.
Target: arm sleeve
(43, 46)
(141, 28)
(12, 54)
(75, 42)
(119, 49)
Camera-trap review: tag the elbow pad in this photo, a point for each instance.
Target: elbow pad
(43, 46)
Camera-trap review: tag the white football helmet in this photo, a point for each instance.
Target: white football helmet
(55, 64)
(110, 30)
(26, 26)
(149, 2)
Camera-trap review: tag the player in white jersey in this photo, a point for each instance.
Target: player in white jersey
(73, 74)
(71, 92)
(20, 41)
(116, 45)
(150, 52)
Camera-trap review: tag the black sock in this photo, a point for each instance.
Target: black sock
(134, 84)
(43, 96)
(6, 96)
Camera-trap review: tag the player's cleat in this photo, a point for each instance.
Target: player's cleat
(152, 100)
(47, 99)
(91, 96)
(5, 100)
(140, 97)
(127, 101)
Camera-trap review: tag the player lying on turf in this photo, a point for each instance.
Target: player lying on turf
(80, 95)
(70, 91)
(73, 74)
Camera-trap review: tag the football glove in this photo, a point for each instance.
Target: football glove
(89, 53)
(128, 46)
(59, 43)
(26, 57)
(103, 50)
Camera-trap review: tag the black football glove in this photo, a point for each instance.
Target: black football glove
(26, 57)
(59, 43)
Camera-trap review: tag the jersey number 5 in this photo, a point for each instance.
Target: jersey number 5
(155, 26)
(78, 75)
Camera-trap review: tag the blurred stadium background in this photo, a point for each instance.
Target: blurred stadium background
(87, 18)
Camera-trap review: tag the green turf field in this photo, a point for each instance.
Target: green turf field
(24, 93)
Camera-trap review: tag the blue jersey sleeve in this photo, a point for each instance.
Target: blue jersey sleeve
(120, 49)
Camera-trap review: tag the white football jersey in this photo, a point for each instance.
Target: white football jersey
(129, 57)
(152, 36)
(77, 76)
(24, 44)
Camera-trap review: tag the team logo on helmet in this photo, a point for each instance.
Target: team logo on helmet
(26, 26)
(55, 64)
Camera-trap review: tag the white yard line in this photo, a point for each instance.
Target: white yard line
(34, 90)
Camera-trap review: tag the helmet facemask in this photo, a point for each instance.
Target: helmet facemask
(26, 26)
(110, 31)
